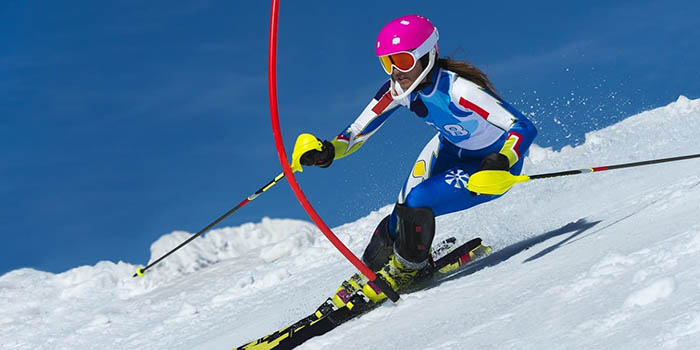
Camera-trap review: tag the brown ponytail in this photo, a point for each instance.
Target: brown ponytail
(468, 71)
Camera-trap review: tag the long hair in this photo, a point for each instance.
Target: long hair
(467, 71)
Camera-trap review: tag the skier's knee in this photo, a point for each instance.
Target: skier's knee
(420, 196)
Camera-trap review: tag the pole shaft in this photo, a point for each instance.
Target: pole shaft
(613, 167)
(215, 222)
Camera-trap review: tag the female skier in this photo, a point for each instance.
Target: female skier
(477, 130)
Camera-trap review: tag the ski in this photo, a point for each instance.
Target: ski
(445, 260)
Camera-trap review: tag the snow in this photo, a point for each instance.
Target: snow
(603, 261)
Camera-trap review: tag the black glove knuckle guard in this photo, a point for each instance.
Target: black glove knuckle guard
(322, 158)
(495, 161)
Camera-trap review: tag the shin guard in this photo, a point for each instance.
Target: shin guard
(416, 232)
(380, 247)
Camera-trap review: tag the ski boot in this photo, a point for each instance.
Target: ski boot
(411, 250)
(411, 253)
(396, 274)
(375, 256)
(474, 254)
(479, 252)
(348, 289)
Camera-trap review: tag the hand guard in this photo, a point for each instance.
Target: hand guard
(322, 158)
(494, 161)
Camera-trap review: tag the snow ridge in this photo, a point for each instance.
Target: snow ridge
(604, 261)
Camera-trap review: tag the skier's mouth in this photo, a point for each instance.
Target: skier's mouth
(403, 81)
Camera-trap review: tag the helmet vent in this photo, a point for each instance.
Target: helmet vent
(405, 22)
(396, 40)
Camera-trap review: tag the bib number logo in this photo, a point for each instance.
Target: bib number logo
(456, 130)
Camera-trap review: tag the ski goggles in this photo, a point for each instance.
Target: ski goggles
(405, 61)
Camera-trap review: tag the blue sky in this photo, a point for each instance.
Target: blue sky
(121, 122)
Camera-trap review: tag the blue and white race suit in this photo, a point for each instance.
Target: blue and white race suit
(471, 123)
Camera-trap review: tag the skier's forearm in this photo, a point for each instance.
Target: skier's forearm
(520, 137)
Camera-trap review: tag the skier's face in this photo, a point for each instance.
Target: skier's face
(405, 79)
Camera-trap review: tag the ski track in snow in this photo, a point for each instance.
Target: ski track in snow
(602, 261)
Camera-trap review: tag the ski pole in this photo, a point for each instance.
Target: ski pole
(497, 182)
(305, 142)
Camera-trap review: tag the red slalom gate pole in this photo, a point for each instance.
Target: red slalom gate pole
(284, 161)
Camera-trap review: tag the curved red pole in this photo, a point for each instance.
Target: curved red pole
(279, 143)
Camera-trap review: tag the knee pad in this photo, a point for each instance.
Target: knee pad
(380, 247)
(416, 233)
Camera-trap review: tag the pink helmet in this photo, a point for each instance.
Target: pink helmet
(407, 33)
(414, 34)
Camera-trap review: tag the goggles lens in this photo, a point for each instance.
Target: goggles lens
(403, 61)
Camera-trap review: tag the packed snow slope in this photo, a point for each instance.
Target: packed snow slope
(599, 261)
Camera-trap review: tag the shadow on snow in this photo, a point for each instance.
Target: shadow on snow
(501, 255)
